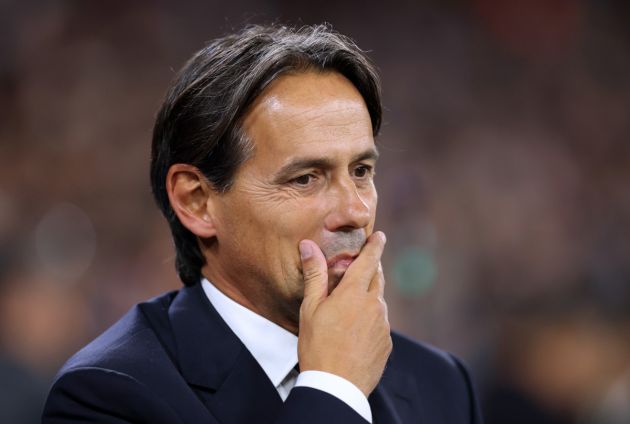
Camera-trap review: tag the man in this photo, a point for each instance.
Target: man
(263, 163)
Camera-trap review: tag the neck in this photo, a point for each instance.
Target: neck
(282, 314)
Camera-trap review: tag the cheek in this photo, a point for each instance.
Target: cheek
(371, 200)
(302, 219)
(268, 235)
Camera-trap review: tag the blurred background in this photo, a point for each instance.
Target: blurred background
(504, 183)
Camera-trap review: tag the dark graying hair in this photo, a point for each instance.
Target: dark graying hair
(200, 121)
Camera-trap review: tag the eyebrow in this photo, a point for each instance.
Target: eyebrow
(321, 163)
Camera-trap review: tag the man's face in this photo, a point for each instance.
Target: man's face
(310, 177)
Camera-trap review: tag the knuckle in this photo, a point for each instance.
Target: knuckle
(378, 307)
(312, 273)
(383, 306)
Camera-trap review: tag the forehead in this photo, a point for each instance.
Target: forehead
(312, 114)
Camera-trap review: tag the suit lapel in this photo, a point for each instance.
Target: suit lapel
(231, 383)
(382, 406)
(246, 395)
(222, 372)
(391, 401)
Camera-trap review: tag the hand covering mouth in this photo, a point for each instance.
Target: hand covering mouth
(342, 260)
(341, 248)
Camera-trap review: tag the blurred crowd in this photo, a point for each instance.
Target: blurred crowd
(504, 184)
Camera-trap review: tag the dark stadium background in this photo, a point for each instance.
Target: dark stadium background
(504, 183)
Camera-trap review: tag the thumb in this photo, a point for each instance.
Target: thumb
(315, 271)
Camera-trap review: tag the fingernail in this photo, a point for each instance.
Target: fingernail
(306, 250)
(381, 235)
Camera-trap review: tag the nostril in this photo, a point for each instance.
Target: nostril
(346, 229)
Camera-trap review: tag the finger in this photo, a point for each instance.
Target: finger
(315, 272)
(364, 267)
(377, 285)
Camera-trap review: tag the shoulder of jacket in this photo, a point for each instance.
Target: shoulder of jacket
(128, 345)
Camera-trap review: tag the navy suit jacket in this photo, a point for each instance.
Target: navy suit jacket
(174, 360)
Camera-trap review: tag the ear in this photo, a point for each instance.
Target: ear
(190, 196)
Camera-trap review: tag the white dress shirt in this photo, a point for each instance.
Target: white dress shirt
(275, 349)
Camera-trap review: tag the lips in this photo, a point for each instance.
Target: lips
(341, 261)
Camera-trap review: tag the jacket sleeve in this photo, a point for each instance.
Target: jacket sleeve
(306, 405)
(98, 395)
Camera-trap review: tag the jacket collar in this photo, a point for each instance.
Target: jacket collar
(221, 371)
(206, 348)
(391, 400)
(212, 359)
(273, 347)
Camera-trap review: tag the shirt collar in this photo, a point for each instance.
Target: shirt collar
(273, 347)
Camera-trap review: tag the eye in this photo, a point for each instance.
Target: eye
(303, 180)
(363, 171)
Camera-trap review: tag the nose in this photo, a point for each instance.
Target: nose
(350, 207)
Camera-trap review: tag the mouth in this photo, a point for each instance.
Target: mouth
(341, 262)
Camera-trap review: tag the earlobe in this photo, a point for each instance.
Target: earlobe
(189, 194)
